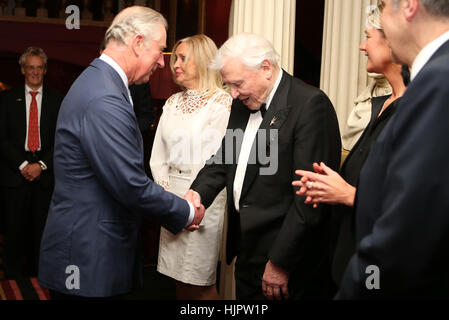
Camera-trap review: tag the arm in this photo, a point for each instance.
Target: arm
(109, 139)
(315, 138)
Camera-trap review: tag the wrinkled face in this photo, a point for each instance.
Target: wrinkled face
(251, 86)
(150, 58)
(186, 73)
(34, 71)
(377, 50)
(395, 30)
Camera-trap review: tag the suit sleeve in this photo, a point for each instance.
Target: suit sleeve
(316, 138)
(409, 241)
(109, 138)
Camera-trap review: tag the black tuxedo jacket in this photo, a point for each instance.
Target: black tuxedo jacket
(273, 222)
(402, 208)
(13, 128)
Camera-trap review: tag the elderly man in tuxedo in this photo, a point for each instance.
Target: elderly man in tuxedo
(27, 124)
(282, 123)
(90, 242)
(402, 211)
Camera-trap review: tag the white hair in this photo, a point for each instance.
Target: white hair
(136, 20)
(251, 49)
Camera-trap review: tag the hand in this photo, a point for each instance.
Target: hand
(195, 199)
(275, 282)
(31, 172)
(324, 186)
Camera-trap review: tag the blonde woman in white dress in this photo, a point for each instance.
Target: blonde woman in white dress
(190, 131)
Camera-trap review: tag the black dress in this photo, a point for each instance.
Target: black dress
(343, 217)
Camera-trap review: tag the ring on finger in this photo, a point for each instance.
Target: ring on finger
(310, 185)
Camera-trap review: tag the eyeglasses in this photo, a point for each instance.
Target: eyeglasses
(32, 68)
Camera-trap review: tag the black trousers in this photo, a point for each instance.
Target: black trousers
(26, 209)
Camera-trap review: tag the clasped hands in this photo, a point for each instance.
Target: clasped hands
(195, 199)
(324, 186)
(32, 171)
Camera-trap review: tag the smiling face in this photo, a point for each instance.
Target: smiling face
(186, 72)
(150, 57)
(34, 70)
(251, 86)
(377, 50)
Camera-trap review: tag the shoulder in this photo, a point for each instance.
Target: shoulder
(222, 99)
(173, 99)
(52, 93)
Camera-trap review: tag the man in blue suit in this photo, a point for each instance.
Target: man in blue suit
(402, 202)
(89, 246)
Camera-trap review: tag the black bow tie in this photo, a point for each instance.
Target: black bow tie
(263, 110)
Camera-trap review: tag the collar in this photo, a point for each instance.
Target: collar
(116, 67)
(426, 53)
(28, 89)
(273, 91)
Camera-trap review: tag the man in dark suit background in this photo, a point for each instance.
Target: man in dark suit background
(281, 244)
(402, 204)
(27, 126)
(89, 247)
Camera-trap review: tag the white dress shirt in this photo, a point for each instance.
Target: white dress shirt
(124, 78)
(426, 53)
(255, 119)
(28, 99)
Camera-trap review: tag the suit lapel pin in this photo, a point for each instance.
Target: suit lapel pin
(19, 99)
(273, 121)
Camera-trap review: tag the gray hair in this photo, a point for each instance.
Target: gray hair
(437, 8)
(251, 49)
(136, 20)
(33, 51)
(373, 18)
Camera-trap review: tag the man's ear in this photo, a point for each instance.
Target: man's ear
(22, 70)
(410, 8)
(267, 68)
(138, 44)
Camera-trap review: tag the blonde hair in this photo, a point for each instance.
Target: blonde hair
(202, 49)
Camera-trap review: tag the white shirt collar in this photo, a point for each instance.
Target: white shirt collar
(116, 67)
(273, 91)
(28, 89)
(426, 53)
(119, 70)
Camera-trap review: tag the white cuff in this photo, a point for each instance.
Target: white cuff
(23, 165)
(43, 166)
(192, 214)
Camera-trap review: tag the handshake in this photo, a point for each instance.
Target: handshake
(195, 199)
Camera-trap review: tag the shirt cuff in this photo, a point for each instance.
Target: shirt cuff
(192, 214)
(23, 165)
(43, 166)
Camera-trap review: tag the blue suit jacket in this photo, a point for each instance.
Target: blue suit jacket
(101, 190)
(403, 196)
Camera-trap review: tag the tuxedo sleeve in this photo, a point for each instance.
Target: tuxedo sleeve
(316, 138)
(109, 139)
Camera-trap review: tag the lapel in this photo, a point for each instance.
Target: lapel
(20, 109)
(44, 115)
(274, 118)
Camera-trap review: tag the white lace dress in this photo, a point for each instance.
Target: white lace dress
(190, 131)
